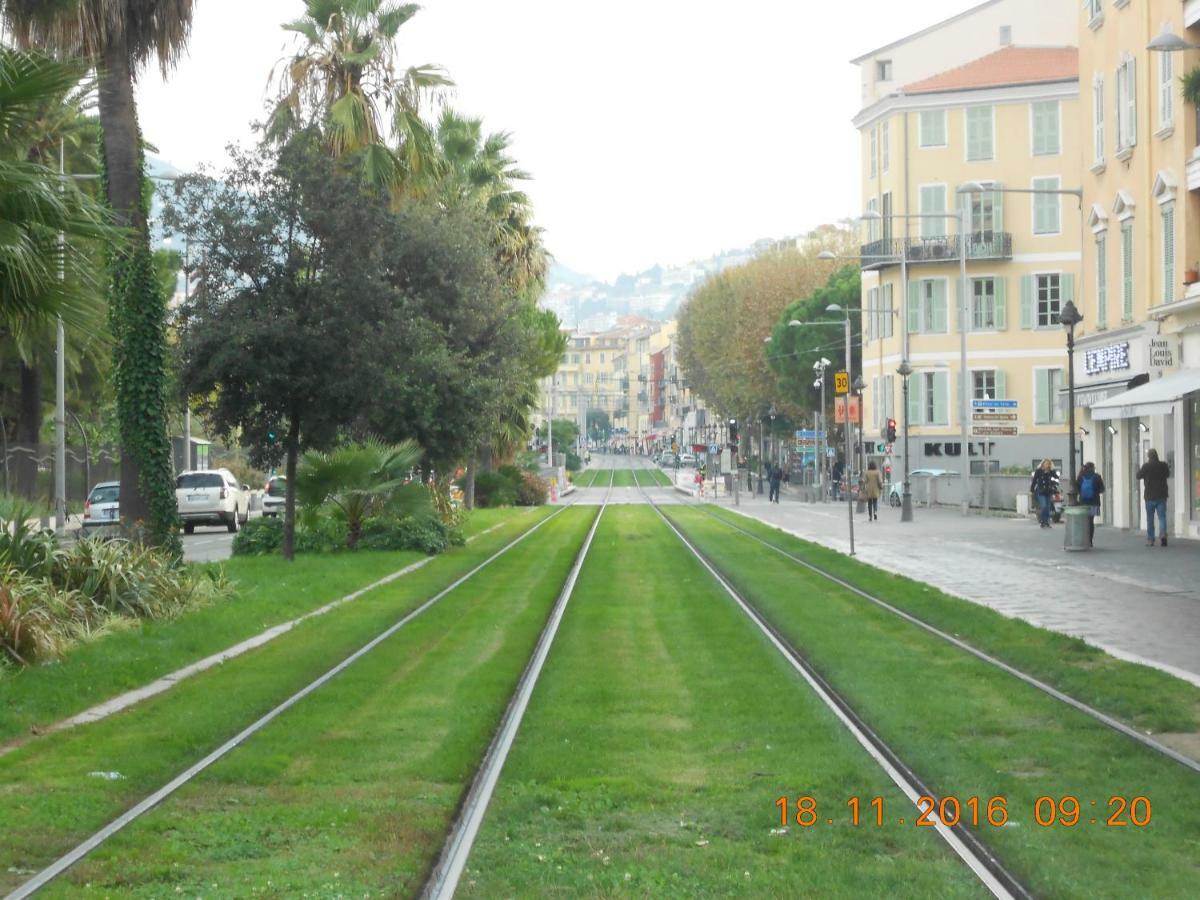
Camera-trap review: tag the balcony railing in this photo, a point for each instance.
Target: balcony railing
(942, 248)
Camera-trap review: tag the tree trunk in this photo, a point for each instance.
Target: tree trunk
(29, 429)
(486, 457)
(138, 316)
(289, 506)
(469, 484)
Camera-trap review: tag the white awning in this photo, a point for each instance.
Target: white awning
(1156, 398)
(1094, 392)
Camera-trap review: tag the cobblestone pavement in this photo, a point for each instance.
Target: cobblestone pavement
(1136, 602)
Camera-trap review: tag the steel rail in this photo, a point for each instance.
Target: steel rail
(64, 862)
(977, 856)
(1104, 718)
(443, 879)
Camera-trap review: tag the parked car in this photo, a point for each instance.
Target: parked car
(211, 497)
(687, 459)
(896, 494)
(274, 495)
(102, 507)
(668, 460)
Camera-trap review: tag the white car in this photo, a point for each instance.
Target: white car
(211, 497)
(687, 459)
(103, 507)
(274, 496)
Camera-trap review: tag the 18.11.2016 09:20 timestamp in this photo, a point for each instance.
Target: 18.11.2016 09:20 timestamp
(1066, 811)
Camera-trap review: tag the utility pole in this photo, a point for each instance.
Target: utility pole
(60, 378)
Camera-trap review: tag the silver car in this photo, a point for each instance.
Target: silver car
(274, 496)
(102, 507)
(211, 497)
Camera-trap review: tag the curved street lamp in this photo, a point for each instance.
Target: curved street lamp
(1069, 316)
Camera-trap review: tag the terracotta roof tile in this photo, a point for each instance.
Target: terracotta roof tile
(1010, 65)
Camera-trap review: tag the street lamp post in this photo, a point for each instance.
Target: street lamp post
(906, 509)
(835, 308)
(1069, 317)
(760, 455)
(820, 366)
(858, 388)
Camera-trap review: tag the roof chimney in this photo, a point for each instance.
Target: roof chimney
(1005, 35)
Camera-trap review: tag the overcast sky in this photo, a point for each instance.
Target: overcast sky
(655, 130)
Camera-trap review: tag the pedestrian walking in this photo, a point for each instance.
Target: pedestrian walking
(1089, 487)
(873, 485)
(1043, 485)
(776, 477)
(1154, 474)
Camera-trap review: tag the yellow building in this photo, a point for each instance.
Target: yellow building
(993, 137)
(1138, 347)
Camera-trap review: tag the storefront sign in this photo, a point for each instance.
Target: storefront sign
(954, 448)
(1163, 352)
(1112, 358)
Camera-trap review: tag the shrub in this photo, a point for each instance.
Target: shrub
(28, 550)
(258, 537)
(532, 490)
(574, 463)
(321, 534)
(494, 489)
(426, 534)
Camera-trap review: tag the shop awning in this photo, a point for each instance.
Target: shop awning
(1156, 398)
(1094, 392)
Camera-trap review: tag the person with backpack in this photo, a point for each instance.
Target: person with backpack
(1153, 475)
(1089, 487)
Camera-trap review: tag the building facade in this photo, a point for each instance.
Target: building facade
(989, 140)
(1138, 349)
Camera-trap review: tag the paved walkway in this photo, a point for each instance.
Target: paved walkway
(1136, 602)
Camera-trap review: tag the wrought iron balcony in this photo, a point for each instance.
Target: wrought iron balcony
(942, 248)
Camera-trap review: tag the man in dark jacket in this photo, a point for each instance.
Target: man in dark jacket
(1089, 487)
(1154, 474)
(776, 477)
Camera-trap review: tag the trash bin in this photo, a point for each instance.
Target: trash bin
(1076, 519)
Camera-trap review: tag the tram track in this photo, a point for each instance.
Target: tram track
(974, 853)
(444, 877)
(1103, 718)
(64, 862)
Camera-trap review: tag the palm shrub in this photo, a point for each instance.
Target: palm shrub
(23, 548)
(360, 480)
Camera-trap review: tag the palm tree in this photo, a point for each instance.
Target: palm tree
(345, 81)
(358, 481)
(118, 37)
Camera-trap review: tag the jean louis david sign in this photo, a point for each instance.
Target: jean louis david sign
(1164, 352)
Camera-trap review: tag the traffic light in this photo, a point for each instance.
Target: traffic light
(891, 431)
(271, 436)
(733, 433)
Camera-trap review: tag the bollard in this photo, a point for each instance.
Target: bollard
(1076, 519)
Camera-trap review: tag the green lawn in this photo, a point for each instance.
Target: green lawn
(971, 730)
(659, 477)
(594, 478)
(659, 738)
(350, 793)
(624, 478)
(269, 591)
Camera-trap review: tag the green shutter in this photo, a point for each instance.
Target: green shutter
(957, 299)
(914, 307)
(997, 209)
(937, 308)
(1001, 385)
(1001, 305)
(1041, 396)
(1066, 287)
(914, 399)
(940, 399)
(1026, 301)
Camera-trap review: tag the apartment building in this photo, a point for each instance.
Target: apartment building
(1137, 364)
(977, 117)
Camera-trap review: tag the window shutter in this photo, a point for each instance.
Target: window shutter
(914, 400)
(914, 307)
(1001, 313)
(1039, 129)
(937, 308)
(997, 209)
(958, 295)
(1026, 301)
(941, 406)
(1001, 385)
(1041, 395)
(875, 401)
(1131, 100)
(888, 309)
(1066, 288)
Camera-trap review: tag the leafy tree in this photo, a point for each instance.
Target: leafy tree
(345, 77)
(598, 423)
(358, 480)
(119, 37)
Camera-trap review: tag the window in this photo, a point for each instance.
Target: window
(979, 133)
(1101, 279)
(987, 310)
(1127, 271)
(1166, 92)
(886, 316)
(984, 213)
(1046, 408)
(983, 385)
(1049, 300)
(1126, 106)
(601, 359)
(928, 399)
(887, 215)
(927, 306)
(932, 128)
(876, 411)
(883, 70)
(1045, 118)
(587, 359)
(1168, 251)
(1098, 118)
(874, 164)
(1047, 208)
(872, 222)
(872, 314)
(1095, 9)
(933, 202)
(883, 145)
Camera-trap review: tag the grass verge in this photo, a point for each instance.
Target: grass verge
(659, 737)
(973, 731)
(660, 478)
(268, 591)
(624, 478)
(351, 792)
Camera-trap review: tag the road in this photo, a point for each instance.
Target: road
(209, 544)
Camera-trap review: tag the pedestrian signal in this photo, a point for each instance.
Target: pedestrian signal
(891, 431)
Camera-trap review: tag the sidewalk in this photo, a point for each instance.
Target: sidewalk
(1136, 602)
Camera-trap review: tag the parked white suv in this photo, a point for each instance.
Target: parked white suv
(211, 497)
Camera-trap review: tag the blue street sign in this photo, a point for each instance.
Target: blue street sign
(713, 448)
(810, 435)
(994, 404)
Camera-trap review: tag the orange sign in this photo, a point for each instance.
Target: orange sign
(839, 410)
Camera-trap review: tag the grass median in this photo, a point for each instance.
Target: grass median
(660, 735)
(351, 792)
(269, 591)
(623, 478)
(47, 783)
(972, 730)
